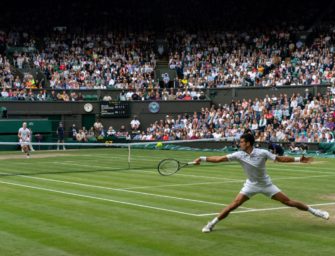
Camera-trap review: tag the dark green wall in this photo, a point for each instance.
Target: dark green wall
(226, 95)
(72, 112)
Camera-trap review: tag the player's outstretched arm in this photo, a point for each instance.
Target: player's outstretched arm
(211, 159)
(289, 159)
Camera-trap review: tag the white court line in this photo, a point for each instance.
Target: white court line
(264, 209)
(309, 167)
(186, 184)
(233, 181)
(249, 209)
(72, 163)
(298, 170)
(140, 158)
(137, 157)
(306, 169)
(167, 185)
(219, 178)
(132, 170)
(119, 189)
(97, 198)
(207, 177)
(304, 177)
(128, 189)
(227, 180)
(156, 195)
(144, 206)
(271, 167)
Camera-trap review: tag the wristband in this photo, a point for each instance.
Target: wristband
(203, 158)
(297, 159)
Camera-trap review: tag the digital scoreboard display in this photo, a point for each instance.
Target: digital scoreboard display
(115, 109)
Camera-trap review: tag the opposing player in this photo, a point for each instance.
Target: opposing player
(24, 138)
(253, 162)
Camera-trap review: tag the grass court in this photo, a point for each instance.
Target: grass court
(88, 202)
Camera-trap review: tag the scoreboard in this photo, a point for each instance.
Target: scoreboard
(115, 109)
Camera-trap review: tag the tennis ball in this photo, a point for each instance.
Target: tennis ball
(159, 145)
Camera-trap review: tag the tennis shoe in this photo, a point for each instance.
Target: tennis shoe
(321, 214)
(208, 228)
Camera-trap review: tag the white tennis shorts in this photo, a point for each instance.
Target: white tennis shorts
(251, 189)
(23, 142)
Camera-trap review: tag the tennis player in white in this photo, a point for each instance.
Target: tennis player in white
(24, 137)
(253, 162)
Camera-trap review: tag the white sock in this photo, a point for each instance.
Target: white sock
(214, 221)
(311, 210)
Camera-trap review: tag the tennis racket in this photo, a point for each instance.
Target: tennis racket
(170, 166)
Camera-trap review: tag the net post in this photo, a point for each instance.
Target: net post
(128, 156)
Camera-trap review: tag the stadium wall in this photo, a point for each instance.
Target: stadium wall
(74, 113)
(225, 95)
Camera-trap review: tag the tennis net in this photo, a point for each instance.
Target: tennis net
(100, 157)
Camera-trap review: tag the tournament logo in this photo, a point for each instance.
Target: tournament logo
(154, 107)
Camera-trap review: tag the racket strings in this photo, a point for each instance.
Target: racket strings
(168, 166)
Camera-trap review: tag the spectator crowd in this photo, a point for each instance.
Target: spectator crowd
(273, 119)
(220, 44)
(252, 58)
(261, 57)
(286, 118)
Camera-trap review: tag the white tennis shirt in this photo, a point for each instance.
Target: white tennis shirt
(25, 133)
(254, 165)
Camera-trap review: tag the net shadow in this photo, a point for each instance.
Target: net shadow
(121, 169)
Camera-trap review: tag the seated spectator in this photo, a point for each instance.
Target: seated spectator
(81, 136)
(276, 149)
(165, 94)
(98, 128)
(122, 96)
(107, 98)
(4, 93)
(90, 135)
(73, 132)
(295, 149)
(187, 96)
(122, 133)
(165, 137)
(172, 95)
(111, 131)
(41, 96)
(135, 124)
(30, 96)
(330, 138)
(202, 96)
(21, 95)
(179, 95)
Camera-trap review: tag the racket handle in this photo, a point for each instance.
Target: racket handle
(191, 163)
